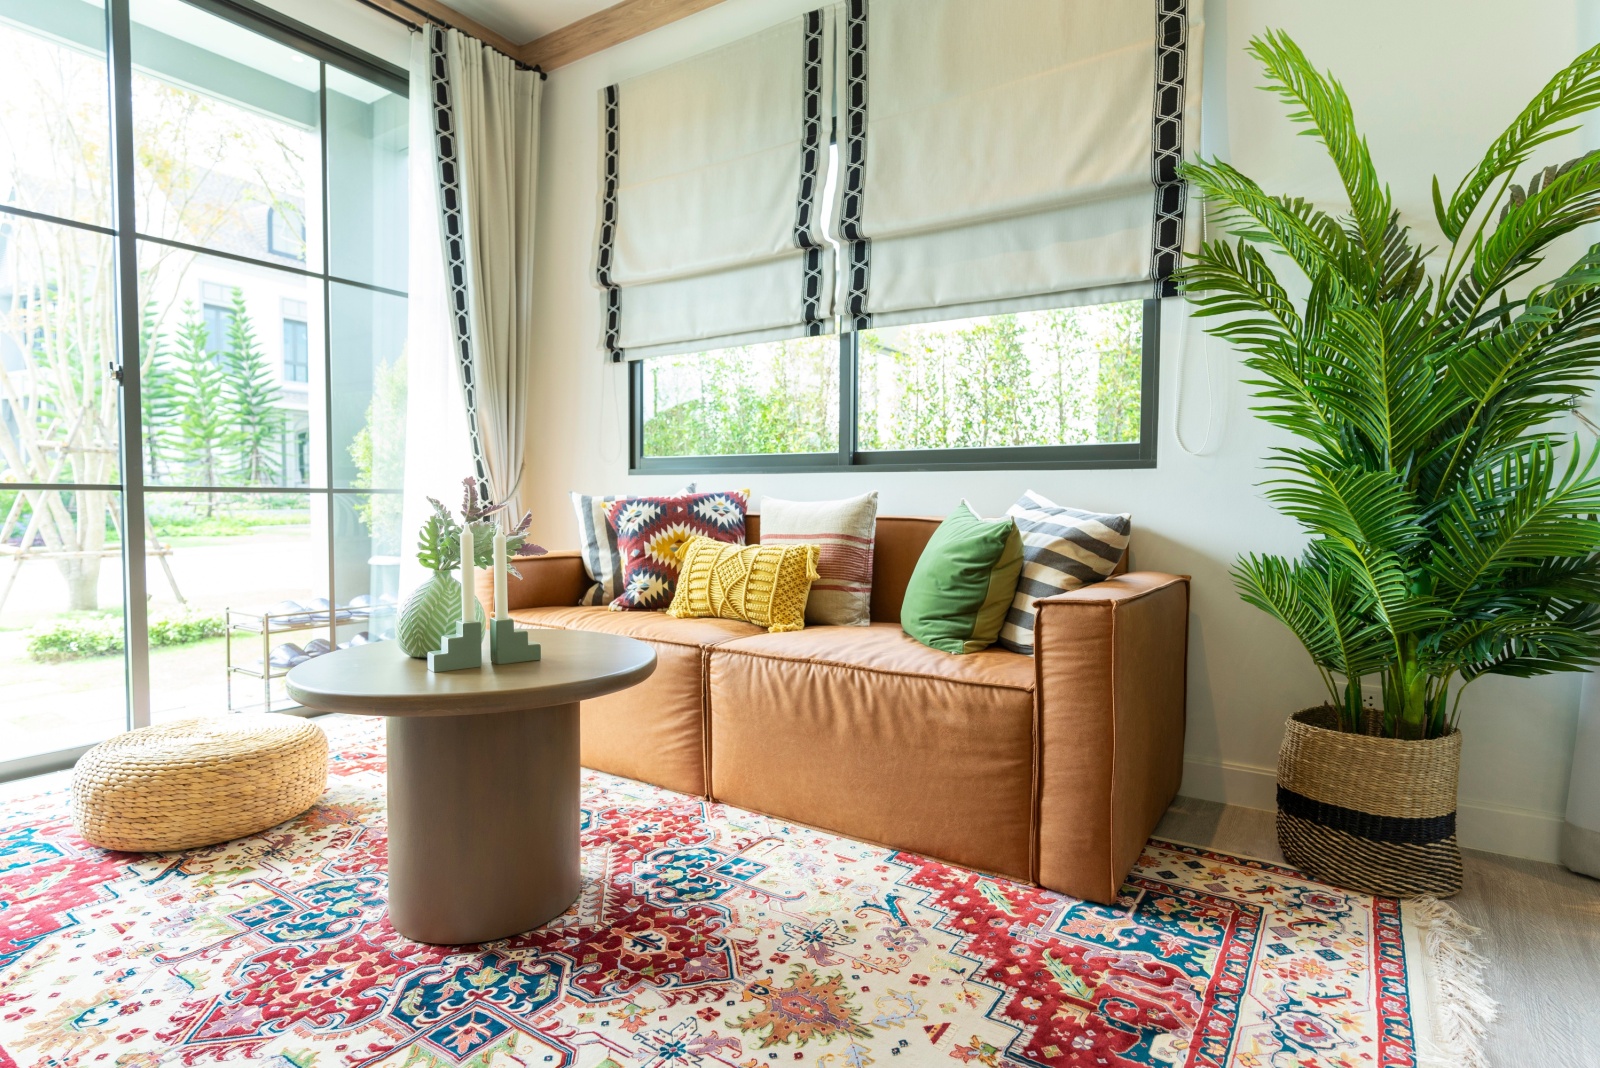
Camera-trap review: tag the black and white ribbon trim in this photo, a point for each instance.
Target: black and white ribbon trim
(811, 157)
(858, 249)
(608, 232)
(453, 227)
(1166, 143)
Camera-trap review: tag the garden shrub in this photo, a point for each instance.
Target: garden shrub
(78, 637)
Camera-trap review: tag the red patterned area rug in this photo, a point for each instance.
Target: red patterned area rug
(705, 937)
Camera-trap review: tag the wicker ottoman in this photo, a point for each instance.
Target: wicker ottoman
(198, 781)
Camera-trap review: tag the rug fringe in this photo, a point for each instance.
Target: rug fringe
(1461, 1006)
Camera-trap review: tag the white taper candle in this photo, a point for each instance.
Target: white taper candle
(468, 580)
(500, 575)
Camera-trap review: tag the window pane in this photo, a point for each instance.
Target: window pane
(226, 136)
(774, 398)
(367, 137)
(1069, 376)
(61, 626)
(369, 387)
(58, 402)
(366, 564)
(54, 129)
(233, 384)
(234, 556)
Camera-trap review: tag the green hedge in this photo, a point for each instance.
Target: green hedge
(76, 638)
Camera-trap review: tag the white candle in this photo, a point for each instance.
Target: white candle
(500, 575)
(468, 615)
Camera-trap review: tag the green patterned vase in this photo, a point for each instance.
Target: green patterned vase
(431, 612)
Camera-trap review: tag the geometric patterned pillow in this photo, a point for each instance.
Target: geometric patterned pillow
(651, 531)
(1062, 549)
(598, 546)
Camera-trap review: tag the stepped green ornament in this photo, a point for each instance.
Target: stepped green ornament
(433, 610)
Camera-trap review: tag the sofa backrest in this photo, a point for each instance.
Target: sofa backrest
(897, 545)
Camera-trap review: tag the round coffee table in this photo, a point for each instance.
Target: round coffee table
(483, 775)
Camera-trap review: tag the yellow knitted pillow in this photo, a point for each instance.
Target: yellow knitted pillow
(762, 584)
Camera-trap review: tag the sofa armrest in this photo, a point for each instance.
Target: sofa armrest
(556, 579)
(1111, 663)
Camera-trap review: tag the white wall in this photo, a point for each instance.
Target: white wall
(1432, 82)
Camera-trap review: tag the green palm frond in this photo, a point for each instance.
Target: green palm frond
(1572, 93)
(1321, 104)
(1515, 246)
(1453, 533)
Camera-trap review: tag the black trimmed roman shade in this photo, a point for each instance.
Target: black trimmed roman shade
(1011, 155)
(710, 222)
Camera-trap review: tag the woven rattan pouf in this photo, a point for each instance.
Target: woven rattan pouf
(198, 781)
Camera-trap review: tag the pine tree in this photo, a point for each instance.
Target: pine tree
(158, 397)
(201, 427)
(251, 403)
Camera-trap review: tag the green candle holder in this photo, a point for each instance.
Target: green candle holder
(463, 649)
(508, 645)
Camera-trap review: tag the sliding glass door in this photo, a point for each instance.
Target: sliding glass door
(203, 233)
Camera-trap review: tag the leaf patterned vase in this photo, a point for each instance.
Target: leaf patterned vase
(431, 612)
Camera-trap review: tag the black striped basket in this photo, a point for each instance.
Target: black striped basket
(1369, 813)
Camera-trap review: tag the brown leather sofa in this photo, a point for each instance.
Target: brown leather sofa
(1051, 769)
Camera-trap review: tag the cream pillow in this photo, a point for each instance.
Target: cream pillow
(844, 530)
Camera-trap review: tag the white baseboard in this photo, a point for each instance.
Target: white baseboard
(1514, 832)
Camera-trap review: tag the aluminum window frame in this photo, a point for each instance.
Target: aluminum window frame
(849, 457)
(132, 488)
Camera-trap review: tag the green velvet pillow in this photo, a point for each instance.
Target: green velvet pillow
(963, 583)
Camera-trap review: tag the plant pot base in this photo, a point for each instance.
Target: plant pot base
(1387, 869)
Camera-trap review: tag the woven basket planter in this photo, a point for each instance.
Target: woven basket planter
(197, 782)
(1366, 812)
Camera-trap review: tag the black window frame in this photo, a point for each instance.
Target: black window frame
(848, 457)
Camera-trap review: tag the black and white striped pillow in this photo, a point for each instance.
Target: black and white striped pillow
(598, 544)
(1062, 549)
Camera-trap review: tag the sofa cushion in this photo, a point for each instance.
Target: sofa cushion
(843, 530)
(958, 594)
(651, 532)
(762, 584)
(655, 731)
(863, 731)
(646, 626)
(1062, 549)
(884, 647)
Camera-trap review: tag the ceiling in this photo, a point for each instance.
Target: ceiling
(523, 20)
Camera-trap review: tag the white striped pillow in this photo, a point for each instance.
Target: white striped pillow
(598, 544)
(1062, 549)
(845, 531)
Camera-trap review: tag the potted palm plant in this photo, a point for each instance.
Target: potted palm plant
(1451, 523)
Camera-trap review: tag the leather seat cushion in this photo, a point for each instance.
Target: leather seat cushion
(865, 732)
(884, 647)
(655, 731)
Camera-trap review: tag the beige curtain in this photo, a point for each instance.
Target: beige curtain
(1011, 154)
(484, 118)
(710, 215)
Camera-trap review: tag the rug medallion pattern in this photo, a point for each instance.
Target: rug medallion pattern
(705, 937)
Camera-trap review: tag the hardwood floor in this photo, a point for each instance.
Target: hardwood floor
(1541, 935)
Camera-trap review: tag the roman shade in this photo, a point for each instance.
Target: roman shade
(710, 221)
(1011, 154)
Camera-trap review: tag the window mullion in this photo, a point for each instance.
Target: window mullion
(849, 395)
(135, 602)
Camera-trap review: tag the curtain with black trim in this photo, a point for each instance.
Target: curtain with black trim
(481, 112)
(1011, 155)
(711, 215)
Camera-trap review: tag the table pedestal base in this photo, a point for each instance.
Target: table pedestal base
(483, 823)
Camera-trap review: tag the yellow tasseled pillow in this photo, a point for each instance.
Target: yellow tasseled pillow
(762, 584)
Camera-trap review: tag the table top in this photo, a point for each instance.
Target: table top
(380, 680)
